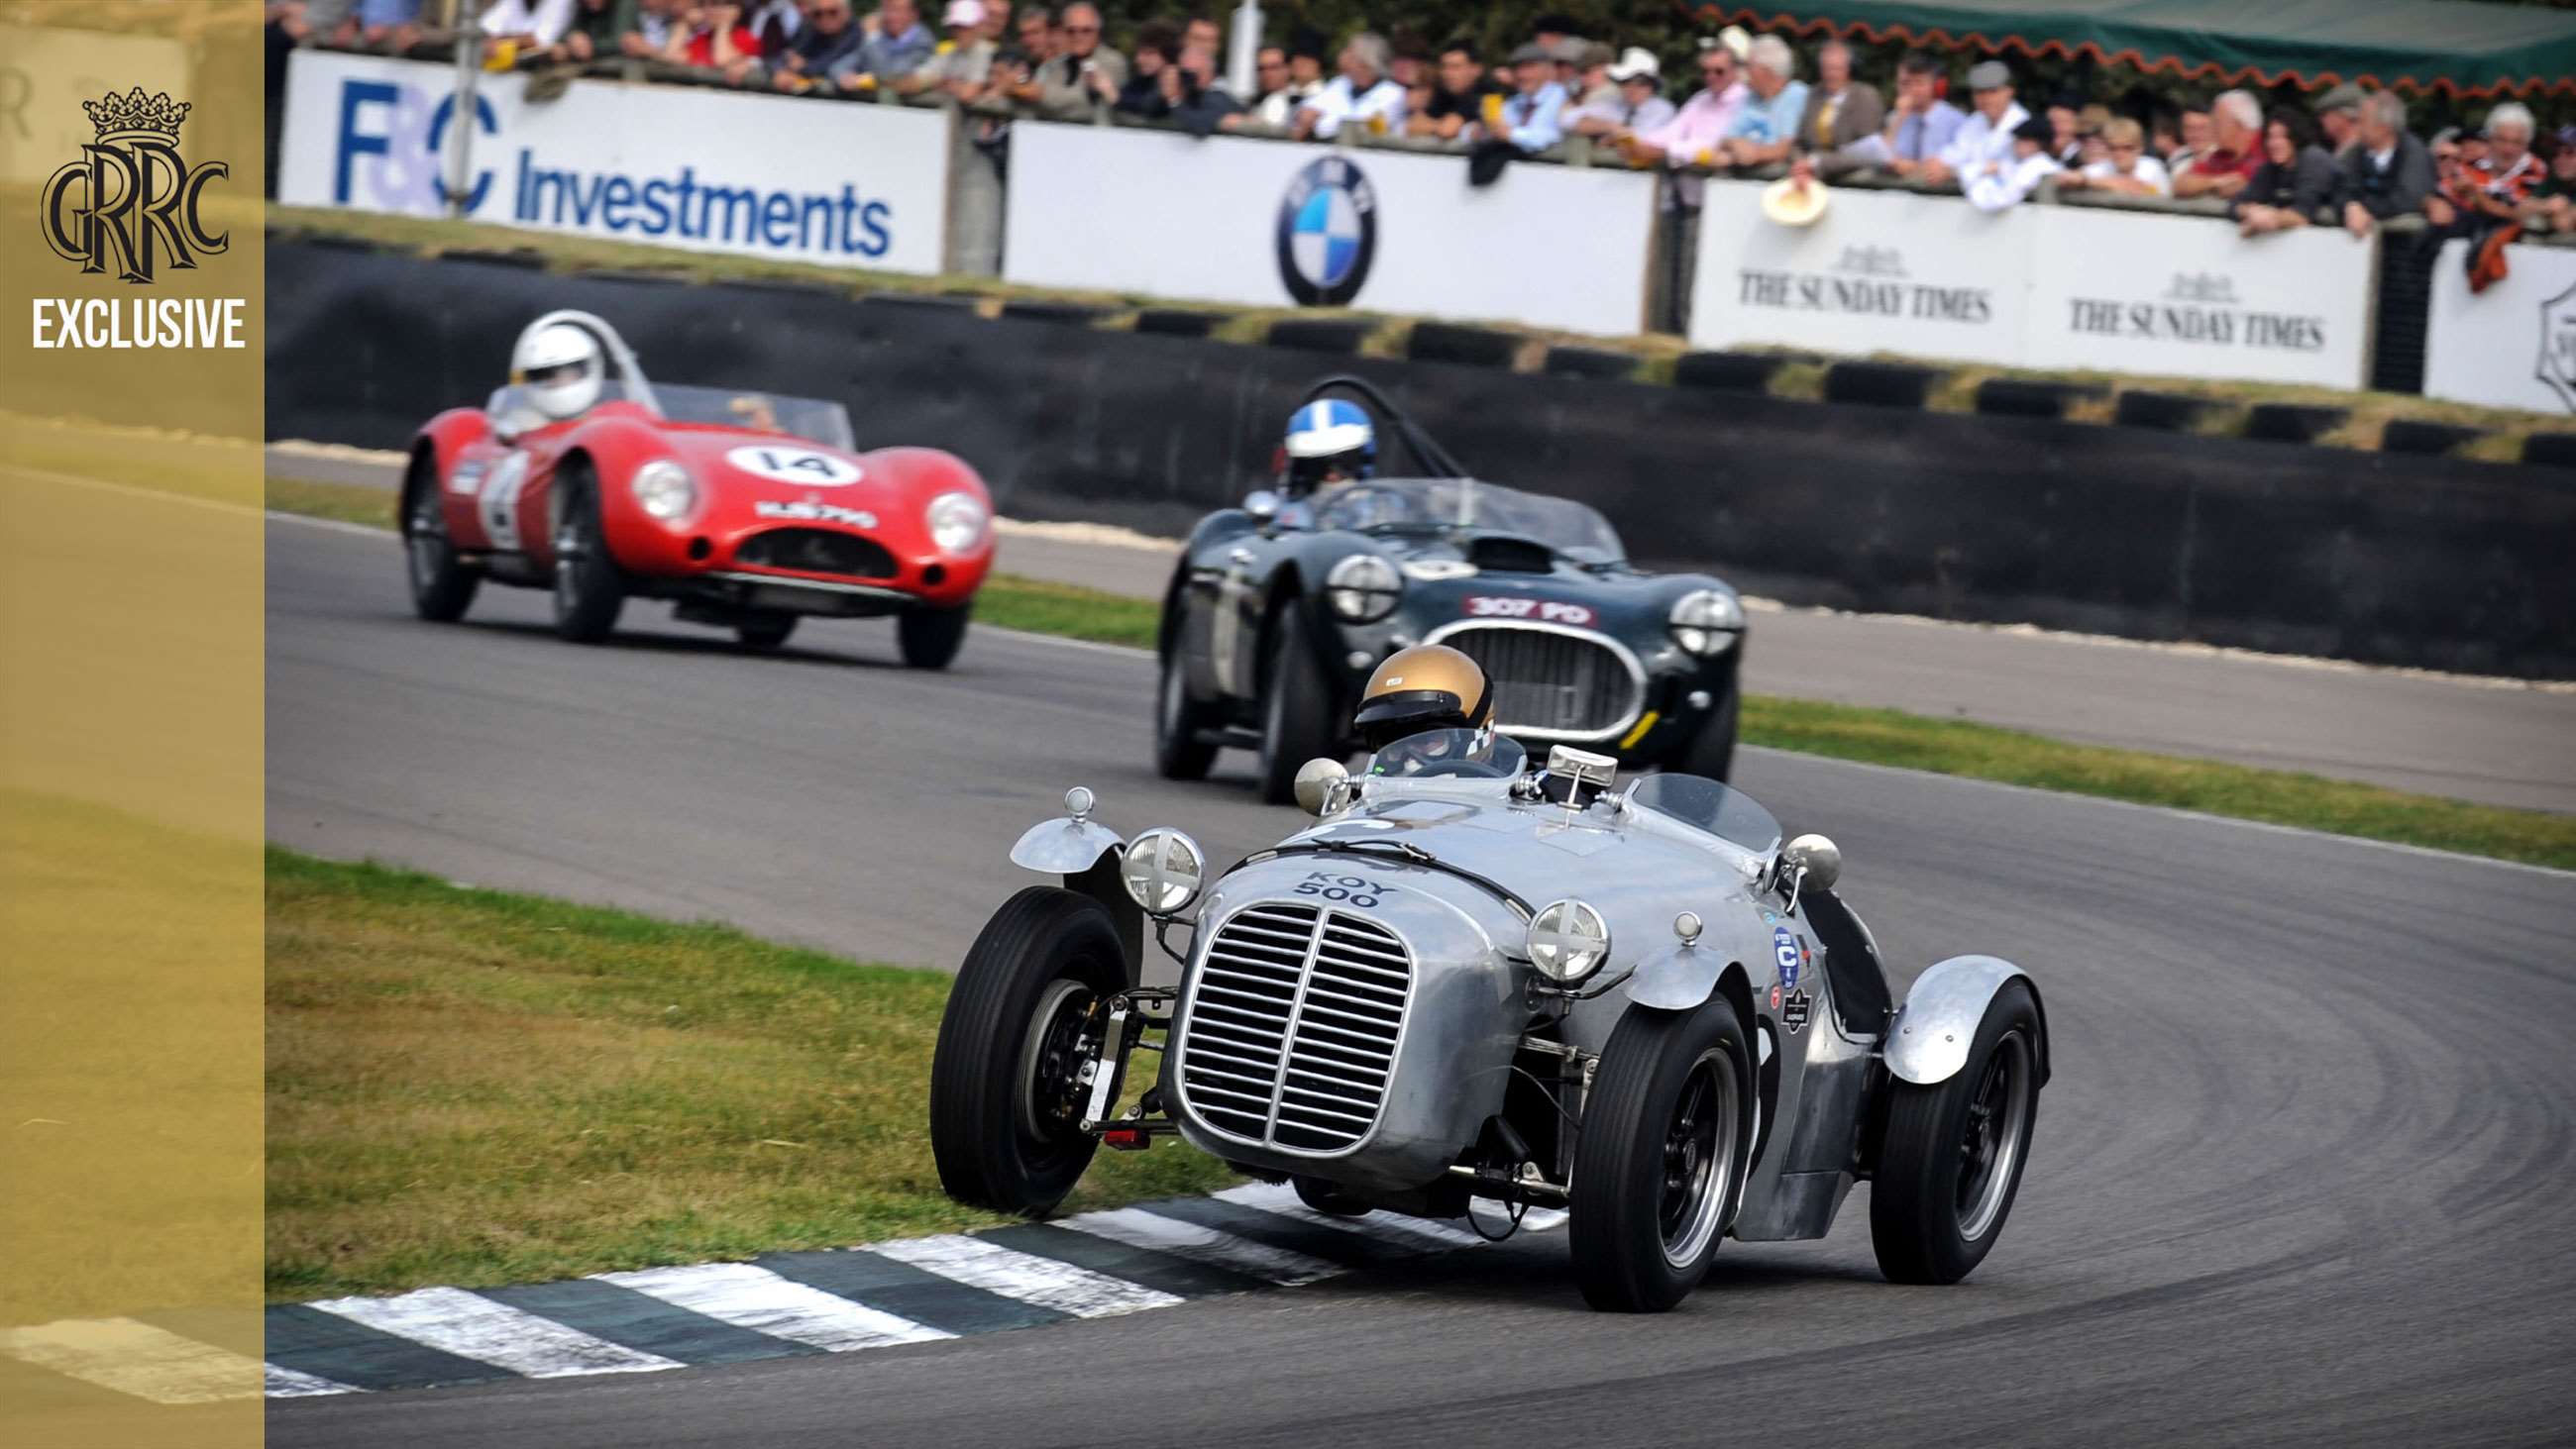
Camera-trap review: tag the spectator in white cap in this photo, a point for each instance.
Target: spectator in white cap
(1766, 130)
(1362, 95)
(1639, 104)
(1841, 112)
(963, 61)
(1987, 135)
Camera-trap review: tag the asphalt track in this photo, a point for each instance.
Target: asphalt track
(2302, 1176)
(2499, 742)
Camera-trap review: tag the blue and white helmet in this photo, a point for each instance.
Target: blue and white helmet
(1329, 440)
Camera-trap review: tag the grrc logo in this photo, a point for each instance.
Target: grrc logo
(134, 204)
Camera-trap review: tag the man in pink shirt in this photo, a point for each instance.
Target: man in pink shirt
(1689, 138)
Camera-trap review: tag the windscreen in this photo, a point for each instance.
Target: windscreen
(1453, 754)
(1704, 804)
(812, 419)
(1437, 505)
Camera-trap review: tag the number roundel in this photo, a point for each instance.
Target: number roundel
(804, 467)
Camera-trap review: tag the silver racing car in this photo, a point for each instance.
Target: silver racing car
(1474, 979)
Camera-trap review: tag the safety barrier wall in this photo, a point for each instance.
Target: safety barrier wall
(2381, 556)
(2035, 286)
(764, 176)
(2511, 346)
(1272, 223)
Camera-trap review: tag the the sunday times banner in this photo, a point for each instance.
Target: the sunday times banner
(1273, 224)
(1880, 271)
(2512, 345)
(780, 177)
(130, 723)
(2035, 286)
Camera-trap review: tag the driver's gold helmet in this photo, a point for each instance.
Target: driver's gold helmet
(1426, 687)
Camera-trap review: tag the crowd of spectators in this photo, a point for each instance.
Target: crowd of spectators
(1757, 103)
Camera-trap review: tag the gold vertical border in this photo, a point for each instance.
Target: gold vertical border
(130, 771)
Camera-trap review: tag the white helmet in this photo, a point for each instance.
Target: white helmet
(560, 366)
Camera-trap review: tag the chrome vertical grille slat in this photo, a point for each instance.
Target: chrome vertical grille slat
(1552, 682)
(1326, 1032)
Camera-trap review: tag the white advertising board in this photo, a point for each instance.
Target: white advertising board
(2512, 345)
(1270, 223)
(781, 177)
(2034, 286)
(1880, 271)
(2185, 296)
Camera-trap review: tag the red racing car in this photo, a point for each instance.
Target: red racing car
(746, 510)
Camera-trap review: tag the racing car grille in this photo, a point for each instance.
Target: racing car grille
(1292, 1025)
(1553, 685)
(817, 551)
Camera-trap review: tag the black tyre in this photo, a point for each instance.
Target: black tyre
(1178, 752)
(589, 591)
(1950, 1163)
(1004, 1105)
(1712, 754)
(1296, 718)
(442, 588)
(764, 632)
(1660, 1167)
(931, 637)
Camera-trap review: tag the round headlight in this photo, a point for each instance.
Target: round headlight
(1364, 587)
(1162, 871)
(1568, 941)
(957, 522)
(665, 489)
(1707, 621)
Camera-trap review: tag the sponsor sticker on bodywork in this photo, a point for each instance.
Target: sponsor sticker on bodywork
(1788, 955)
(1797, 1011)
(809, 511)
(1520, 606)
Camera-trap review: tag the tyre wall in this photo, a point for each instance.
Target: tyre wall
(2380, 556)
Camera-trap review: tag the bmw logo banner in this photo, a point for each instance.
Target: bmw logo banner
(1327, 232)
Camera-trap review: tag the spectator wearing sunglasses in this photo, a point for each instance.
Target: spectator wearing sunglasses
(2128, 171)
(1694, 134)
(1086, 74)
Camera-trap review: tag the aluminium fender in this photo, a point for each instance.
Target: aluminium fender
(1929, 1038)
(1677, 978)
(1086, 854)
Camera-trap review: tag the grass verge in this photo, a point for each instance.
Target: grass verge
(1877, 736)
(471, 1087)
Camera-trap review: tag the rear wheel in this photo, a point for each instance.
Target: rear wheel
(442, 588)
(589, 591)
(764, 632)
(1656, 1172)
(1005, 1093)
(931, 637)
(1296, 716)
(1950, 1163)
(1178, 752)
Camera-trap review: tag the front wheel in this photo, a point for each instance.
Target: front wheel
(1951, 1161)
(1297, 723)
(589, 591)
(1712, 754)
(1665, 1132)
(442, 587)
(1179, 754)
(931, 637)
(1005, 1093)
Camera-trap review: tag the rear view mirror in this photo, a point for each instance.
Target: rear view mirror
(1818, 857)
(1262, 504)
(1319, 785)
